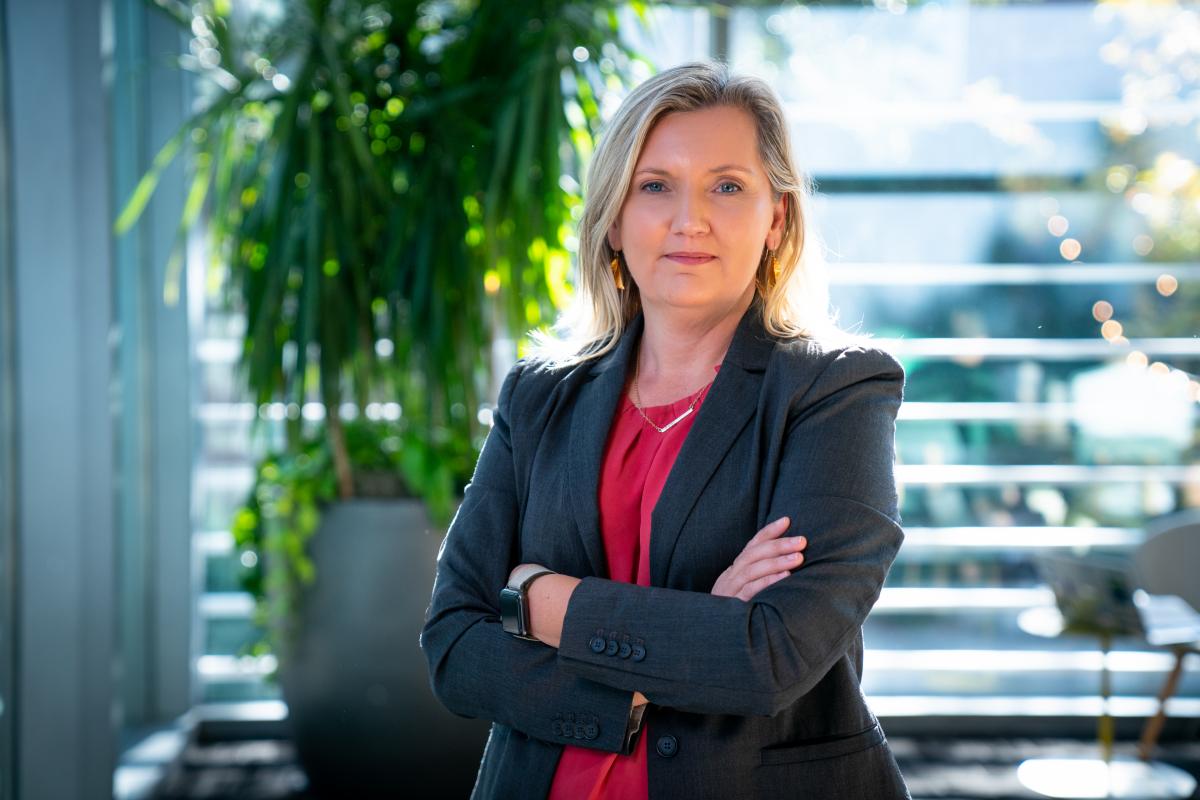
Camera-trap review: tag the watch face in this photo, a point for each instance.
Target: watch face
(511, 611)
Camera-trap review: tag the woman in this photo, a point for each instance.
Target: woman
(619, 589)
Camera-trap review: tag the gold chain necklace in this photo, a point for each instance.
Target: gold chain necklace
(637, 402)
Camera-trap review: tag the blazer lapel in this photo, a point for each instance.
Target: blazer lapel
(591, 421)
(728, 406)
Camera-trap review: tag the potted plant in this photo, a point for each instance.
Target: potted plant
(389, 188)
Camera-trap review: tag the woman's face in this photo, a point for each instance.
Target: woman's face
(699, 212)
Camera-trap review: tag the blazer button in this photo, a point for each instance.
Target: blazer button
(597, 644)
(558, 728)
(625, 650)
(578, 730)
(613, 646)
(592, 730)
(667, 746)
(638, 652)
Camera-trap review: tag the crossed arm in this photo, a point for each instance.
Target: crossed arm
(548, 598)
(760, 655)
(765, 559)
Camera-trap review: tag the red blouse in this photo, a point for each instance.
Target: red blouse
(637, 461)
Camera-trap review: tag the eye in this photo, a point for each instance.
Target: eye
(736, 187)
(651, 183)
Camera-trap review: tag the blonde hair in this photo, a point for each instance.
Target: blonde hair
(795, 306)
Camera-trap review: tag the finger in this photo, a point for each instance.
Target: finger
(768, 566)
(773, 547)
(754, 587)
(768, 550)
(772, 529)
(787, 544)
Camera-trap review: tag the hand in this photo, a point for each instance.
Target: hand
(766, 558)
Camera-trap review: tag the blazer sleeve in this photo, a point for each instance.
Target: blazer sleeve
(723, 655)
(476, 669)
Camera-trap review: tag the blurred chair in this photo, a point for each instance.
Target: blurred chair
(1167, 566)
(1096, 595)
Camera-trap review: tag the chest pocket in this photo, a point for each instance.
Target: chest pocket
(817, 749)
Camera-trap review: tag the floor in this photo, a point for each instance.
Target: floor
(958, 769)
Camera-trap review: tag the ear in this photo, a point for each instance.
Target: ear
(778, 219)
(614, 237)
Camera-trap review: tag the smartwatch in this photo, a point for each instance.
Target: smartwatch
(514, 602)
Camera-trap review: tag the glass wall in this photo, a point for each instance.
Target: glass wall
(224, 475)
(8, 496)
(1003, 190)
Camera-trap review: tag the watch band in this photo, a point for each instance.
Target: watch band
(514, 602)
(520, 579)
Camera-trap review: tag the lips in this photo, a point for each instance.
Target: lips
(687, 257)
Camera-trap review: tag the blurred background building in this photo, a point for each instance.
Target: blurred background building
(1010, 196)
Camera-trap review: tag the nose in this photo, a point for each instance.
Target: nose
(691, 215)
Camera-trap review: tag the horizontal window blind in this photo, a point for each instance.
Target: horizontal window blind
(975, 167)
(974, 183)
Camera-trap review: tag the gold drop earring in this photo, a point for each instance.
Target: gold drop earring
(616, 271)
(765, 283)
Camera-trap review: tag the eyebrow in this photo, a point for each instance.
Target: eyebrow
(722, 168)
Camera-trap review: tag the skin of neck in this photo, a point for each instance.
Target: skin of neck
(679, 347)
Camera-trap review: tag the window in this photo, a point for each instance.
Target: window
(1008, 223)
(976, 170)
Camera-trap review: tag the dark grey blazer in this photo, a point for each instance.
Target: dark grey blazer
(748, 699)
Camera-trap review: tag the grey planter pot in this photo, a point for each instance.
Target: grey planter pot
(362, 716)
